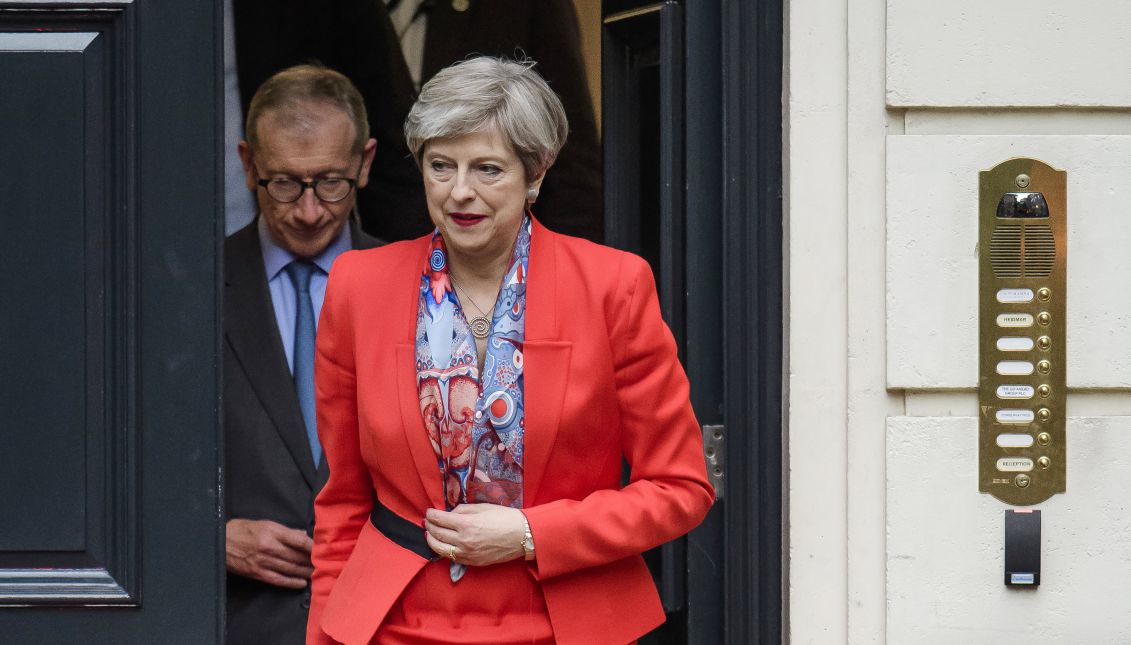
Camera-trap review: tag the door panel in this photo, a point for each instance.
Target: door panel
(108, 345)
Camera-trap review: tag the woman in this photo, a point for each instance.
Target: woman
(478, 391)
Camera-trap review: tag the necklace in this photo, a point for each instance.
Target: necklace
(480, 325)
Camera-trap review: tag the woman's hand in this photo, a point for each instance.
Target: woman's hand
(482, 534)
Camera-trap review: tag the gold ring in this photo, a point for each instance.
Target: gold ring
(451, 553)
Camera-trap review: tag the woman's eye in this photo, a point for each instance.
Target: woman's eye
(490, 170)
(438, 166)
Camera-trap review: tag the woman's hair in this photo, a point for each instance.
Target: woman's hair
(293, 95)
(483, 93)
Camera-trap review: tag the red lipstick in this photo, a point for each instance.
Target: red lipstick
(466, 219)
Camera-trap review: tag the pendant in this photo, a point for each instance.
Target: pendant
(480, 327)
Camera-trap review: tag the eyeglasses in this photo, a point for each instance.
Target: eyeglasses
(289, 190)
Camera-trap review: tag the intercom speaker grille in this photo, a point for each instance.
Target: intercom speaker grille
(1040, 251)
(1005, 251)
(1022, 251)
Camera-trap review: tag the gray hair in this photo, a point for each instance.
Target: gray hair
(483, 93)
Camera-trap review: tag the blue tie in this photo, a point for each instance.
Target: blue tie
(300, 272)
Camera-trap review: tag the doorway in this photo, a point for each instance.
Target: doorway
(691, 124)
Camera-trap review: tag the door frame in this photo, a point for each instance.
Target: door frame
(734, 168)
(720, 273)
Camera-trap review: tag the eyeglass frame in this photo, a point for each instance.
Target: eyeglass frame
(312, 185)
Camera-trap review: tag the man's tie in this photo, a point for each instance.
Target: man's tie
(300, 272)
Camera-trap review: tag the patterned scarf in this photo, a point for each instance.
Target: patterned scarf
(475, 424)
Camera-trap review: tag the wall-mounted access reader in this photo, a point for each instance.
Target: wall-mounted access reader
(1023, 236)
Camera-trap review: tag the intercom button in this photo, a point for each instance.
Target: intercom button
(1044, 438)
(1015, 464)
(1014, 440)
(1044, 293)
(1044, 318)
(1014, 295)
(1015, 391)
(1015, 368)
(1015, 320)
(1014, 416)
(1044, 367)
(1044, 391)
(1014, 344)
(1044, 342)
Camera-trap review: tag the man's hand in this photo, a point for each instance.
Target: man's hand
(269, 552)
(482, 534)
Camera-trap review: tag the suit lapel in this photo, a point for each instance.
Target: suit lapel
(546, 360)
(254, 336)
(359, 239)
(423, 454)
(406, 301)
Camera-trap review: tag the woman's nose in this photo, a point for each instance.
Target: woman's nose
(463, 190)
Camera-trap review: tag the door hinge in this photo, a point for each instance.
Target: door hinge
(714, 451)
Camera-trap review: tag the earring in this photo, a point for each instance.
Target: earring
(531, 195)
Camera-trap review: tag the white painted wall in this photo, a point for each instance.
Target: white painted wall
(1005, 53)
(932, 238)
(944, 542)
(892, 109)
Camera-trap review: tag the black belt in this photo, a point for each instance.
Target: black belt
(401, 531)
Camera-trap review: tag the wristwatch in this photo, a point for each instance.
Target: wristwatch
(527, 540)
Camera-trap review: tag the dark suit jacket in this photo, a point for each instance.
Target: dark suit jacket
(355, 38)
(268, 469)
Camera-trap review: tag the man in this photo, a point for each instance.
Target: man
(355, 38)
(307, 152)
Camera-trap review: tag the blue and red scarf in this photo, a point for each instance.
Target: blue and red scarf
(475, 424)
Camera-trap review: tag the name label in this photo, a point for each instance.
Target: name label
(1015, 440)
(1015, 391)
(1015, 368)
(1015, 464)
(1015, 320)
(1015, 416)
(1014, 344)
(1015, 295)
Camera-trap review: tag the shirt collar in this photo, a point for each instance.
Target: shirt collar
(276, 258)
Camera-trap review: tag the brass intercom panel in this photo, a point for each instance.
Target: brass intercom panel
(1023, 237)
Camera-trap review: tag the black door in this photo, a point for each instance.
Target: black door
(109, 519)
(692, 127)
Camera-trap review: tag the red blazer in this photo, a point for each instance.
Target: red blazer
(602, 383)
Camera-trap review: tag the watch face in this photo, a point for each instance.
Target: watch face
(527, 542)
